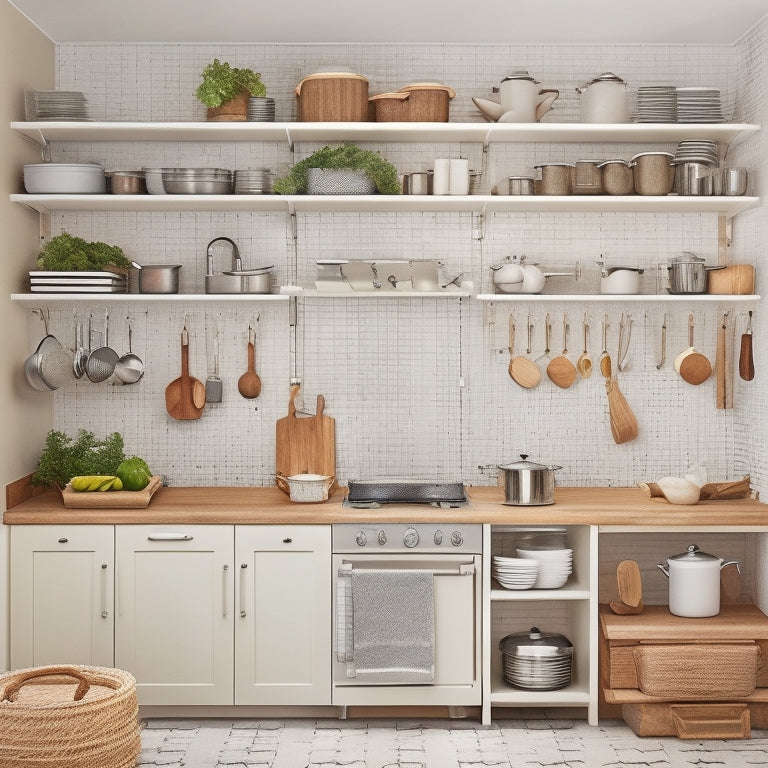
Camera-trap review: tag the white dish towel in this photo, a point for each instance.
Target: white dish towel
(394, 625)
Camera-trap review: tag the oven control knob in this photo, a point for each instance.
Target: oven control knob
(361, 539)
(457, 539)
(382, 538)
(438, 537)
(410, 538)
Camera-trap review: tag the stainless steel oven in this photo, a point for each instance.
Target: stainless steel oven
(407, 606)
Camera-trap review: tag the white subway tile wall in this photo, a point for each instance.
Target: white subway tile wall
(419, 388)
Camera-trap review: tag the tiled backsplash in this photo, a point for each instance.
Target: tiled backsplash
(419, 388)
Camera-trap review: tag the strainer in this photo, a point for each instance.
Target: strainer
(50, 367)
(102, 360)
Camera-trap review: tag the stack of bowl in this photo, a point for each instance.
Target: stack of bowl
(261, 109)
(65, 179)
(252, 181)
(197, 181)
(555, 566)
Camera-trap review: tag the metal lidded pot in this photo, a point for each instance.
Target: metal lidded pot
(688, 274)
(527, 483)
(537, 660)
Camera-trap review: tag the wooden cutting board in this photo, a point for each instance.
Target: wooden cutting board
(304, 444)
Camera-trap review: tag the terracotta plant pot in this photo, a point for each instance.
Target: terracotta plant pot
(234, 109)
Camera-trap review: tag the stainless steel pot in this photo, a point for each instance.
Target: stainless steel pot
(527, 483)
(253, 280)
(158, 278)
(537, 660)
(688, 274)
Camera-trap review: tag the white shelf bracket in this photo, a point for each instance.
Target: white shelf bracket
(724, 237)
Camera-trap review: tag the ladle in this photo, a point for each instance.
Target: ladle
(561, 371)
(605, 357)
(249, 384)
(130, 367)
(584, 363)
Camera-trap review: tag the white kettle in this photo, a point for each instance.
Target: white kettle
(521, 99)
(604, 100)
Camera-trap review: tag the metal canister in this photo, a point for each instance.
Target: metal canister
(520, 185)
(555, 178)
(617, 177)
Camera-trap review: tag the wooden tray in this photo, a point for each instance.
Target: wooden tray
(110, 499)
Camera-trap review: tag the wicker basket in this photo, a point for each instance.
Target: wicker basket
(419, 103)
(47, 721)
(332, 97)
(702, 672)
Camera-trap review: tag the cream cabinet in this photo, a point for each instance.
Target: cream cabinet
(283, 614)
(61, 603)
(174, 601)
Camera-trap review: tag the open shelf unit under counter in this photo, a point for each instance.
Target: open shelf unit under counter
(570, 610)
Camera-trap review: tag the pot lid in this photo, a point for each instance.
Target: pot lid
(536, 643)
(525, 464)
(520, 74)
(611, 270)
(687, 258)
(693, 555)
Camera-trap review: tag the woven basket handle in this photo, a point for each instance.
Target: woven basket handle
(13, 687)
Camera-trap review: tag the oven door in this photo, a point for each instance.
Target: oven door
(457, 581)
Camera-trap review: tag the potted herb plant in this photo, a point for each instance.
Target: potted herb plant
(341, 170)
(225, 90)
(65, 253)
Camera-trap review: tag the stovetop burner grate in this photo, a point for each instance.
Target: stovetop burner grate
(406, 492)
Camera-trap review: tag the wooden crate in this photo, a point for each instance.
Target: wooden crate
(730, 720)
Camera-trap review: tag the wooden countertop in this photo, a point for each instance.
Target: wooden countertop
(268, 505)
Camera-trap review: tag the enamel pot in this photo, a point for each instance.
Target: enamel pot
(694, 582)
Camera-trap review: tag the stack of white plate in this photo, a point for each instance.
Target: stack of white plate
(514, 572)
(699, 105)
(252, 181)
(77, 282)
(656, 104)
(55, 105)
(261, 109)
(697, 151)
(555, 566)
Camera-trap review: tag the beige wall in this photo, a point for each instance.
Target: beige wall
(26, 61)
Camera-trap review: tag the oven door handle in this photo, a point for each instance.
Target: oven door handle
(462, 569)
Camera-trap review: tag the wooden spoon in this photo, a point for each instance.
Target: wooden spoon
(605, 357)
(695, 368)
(561, 371)
(182, 395)
(746, 363)
(584, 363)
(249, 384)
(522, 370)
(623, 420)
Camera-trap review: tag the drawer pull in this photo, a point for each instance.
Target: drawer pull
(63, 540)
(287, 541)
(169, 537)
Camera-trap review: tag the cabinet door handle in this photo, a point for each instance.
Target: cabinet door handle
(287, 540)
(104, 612)
(63, 540)
(224, 571)
(169, 537)
(243, 566)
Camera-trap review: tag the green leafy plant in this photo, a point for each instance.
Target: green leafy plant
(64, 457)
(65, 253)
(222, 82)
(380, 171)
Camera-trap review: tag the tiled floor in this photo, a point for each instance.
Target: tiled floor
(515, 743)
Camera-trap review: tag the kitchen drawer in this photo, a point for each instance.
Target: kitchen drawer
(639, 665)
(721, 720)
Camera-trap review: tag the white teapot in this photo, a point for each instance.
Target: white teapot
(604, 100)
(521, 99)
